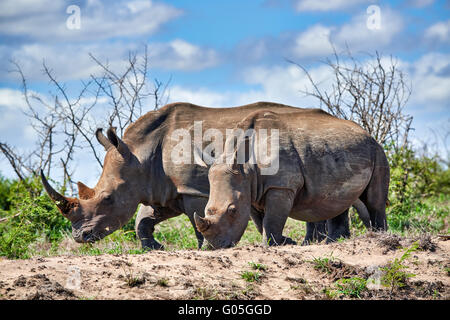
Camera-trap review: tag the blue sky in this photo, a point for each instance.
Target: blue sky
(223, 53)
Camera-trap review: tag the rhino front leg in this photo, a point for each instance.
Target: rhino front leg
(278, 205)
(146, 219)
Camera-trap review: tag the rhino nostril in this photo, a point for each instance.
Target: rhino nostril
(86, 235)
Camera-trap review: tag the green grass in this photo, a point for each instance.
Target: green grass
(251, 276)
(205, 294)
(323, 264)
(395, 273)
(447, 271)
(134, 280)
(163, 282)
(176, 234)
(256, 275)
(429, 216)
(351, 288)
(257, 266)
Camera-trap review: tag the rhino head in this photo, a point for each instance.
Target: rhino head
(228, 209)
(112, 202)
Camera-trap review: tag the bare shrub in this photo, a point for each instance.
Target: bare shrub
(66, 124)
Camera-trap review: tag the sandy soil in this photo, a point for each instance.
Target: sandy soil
(191, 274)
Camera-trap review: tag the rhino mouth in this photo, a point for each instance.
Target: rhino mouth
(219, 245)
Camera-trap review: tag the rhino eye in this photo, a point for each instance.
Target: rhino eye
(108, 198)
(232, 209)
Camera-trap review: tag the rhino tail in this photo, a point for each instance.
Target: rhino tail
(363, 213)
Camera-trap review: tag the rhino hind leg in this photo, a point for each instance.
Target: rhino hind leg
(376, 205)
(257, 217)
(376, 194)
(363, 213)
(315, 232)
(338, 227)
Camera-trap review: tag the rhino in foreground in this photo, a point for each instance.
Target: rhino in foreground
(140, 170)
(324, 166)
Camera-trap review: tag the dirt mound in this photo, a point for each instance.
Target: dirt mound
(42, 288)
(345, 270)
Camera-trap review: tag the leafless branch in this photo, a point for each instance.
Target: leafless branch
(67, 124)
(372, 93)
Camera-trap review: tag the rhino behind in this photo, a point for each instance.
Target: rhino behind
(325, 165)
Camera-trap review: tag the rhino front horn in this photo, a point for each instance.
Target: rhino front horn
(201, 223)
(64, 204)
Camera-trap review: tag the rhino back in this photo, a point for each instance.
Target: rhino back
(150, 139)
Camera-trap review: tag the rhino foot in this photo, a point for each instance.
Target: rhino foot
(151, 244)
(335, 239)
(286, 240)
(282, 242)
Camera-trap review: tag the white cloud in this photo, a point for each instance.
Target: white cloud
(72, 61)
(181, 55)
(314, 5)
(430, 77)
(317, 41)
(359, 37)
(67, 62)
(314, 42)
(280, 84)
(12, 99)
(285, 82)
(439, 32)
(46, 20)
(15, 128)
(200, 96)
(17, 8)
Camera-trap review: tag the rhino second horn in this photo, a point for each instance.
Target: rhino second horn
(201, 223)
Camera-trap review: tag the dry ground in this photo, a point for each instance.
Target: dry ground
(191, 274)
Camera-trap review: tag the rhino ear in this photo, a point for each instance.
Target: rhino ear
(244, 152)
(235, 165)
(198, 157)
(84, 191)
(118, 143)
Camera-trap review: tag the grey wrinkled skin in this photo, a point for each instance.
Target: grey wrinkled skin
(326, 165)
(138, 169)
(337, 227)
